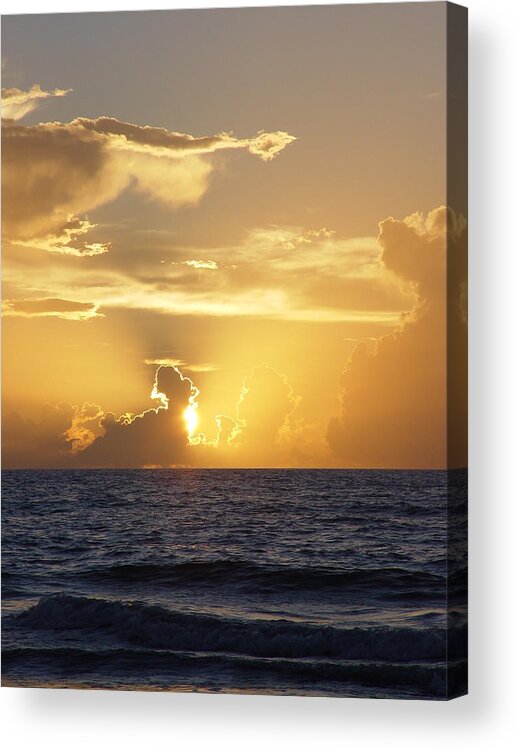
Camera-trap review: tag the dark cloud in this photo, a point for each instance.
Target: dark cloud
(156, 437)
(258, 435)
(37, 440)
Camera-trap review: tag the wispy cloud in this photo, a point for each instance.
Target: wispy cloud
(191, 367)
(16, 103)
(202, 264)
(50, 308)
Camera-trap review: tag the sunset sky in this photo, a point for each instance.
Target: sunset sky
(224, 238)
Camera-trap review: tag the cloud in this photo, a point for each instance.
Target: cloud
(269, 430)
(202, 264)
(67, 240)
(266, 401)
(17, 103)
(86, 426)
(128, 137)
(394, 398)
(67, 435)
(157, 437)
(160, 437)
(261, 433)
(268, 145)
(54, 173)
(50, 174)
(36, 440)
(180, 363)
(53, 308)
(281, 273)
(395, 402)
(227, 432)
(286, 273)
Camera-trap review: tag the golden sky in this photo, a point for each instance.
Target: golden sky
(224, 238)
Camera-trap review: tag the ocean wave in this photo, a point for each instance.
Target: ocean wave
(243, 573)
(155, 627)
(160, 666)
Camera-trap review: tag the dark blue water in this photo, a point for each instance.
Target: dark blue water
(277, 581)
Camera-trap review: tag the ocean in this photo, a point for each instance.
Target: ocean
(300, 582)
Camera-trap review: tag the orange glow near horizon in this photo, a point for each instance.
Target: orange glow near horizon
(281, 262)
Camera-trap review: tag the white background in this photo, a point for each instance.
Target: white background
(96, 719)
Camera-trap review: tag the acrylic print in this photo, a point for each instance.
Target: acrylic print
(234, 351)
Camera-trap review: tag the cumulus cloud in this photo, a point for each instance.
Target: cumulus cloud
(266, 401)
(394, 398)
(160, 437)
(17, 103)
(50, 308)
(157, 437)
(85, 427)
(54, 173)
(262, 432)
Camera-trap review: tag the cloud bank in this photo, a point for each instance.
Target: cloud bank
(282, 273)
(261, 432)
(395, 402)
(258, 434)
(394, 398)
(54, 173)
(156, 437)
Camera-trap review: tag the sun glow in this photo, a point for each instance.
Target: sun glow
(191, 418)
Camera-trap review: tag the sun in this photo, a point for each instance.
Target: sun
(191, 418)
